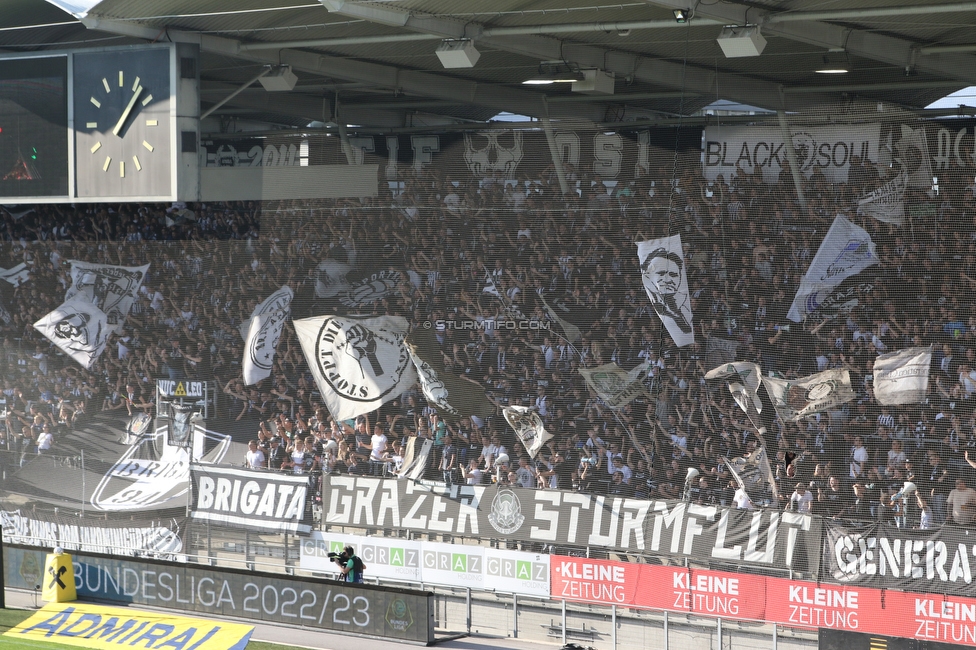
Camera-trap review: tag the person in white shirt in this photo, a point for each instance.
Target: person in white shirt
(859, 458)
(742, 501)
(802, 499)
(45, 440)
(473, 475)
(254, 458)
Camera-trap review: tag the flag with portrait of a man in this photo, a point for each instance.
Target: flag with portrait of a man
(662, 265)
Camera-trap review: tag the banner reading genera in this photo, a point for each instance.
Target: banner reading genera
(782, 540)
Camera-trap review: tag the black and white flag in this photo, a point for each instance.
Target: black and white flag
(263, 333)
(16, 275)
(614, 385)
(78, 328)
(662, 265)
(183, 418)
(251, 499)
(912, 154)
(415, 457)
(887, 203)
(359, 364)
(110, 288)
(330, 278)
(845, 251)
(751, 473)
(742, 378)
(796, 399)
(902, 377)
(452, 396)
(528, 427)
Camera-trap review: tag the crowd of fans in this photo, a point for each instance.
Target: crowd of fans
(469, 249)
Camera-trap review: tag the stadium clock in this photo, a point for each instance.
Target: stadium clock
(123, 123)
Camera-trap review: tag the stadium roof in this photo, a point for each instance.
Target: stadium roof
(374, 64)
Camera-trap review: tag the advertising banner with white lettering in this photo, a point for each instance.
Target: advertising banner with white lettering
(109, 287)
(731, 150)
(845, 251)
(453, 565)
(251, 499)
(711, 534)
(884, 557)
(162, 538)
(358, 364)
(902, 376)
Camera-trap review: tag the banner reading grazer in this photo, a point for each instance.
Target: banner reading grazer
(712, 534)
(884, 557)
(247, 498)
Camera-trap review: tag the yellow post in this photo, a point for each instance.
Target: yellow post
(59, 577)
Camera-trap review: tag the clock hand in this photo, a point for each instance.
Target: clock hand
(128, 109)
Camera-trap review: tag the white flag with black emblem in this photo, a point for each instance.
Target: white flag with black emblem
(902, 377)
(845, 251)
(746, 389)
(528, 427)
(887, 203)
(110, 288)
(263, 333)
(796, 399)
(16, 275)
(359, 364)
(662, 264)
(912, 154)
(616, 386)
(78, 328)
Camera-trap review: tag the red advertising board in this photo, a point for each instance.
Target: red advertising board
(794, 603)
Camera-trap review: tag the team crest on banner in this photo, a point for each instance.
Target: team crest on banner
(182, 418)
(799, 398)
(78, 328)
(845, 251)
(662, 265)
(358, 364)
(528, 427)
(614, 385)
(371, 289)
(506, 515)
(110, 288)
(263, 333)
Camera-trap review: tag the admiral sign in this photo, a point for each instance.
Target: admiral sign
(762, 538)
(247, 498)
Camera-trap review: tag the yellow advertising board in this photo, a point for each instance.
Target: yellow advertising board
(100, 627)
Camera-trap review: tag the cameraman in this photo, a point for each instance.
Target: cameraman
(351, 567)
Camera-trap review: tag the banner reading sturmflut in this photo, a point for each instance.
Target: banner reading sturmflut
(662, 264)
(359, 364)
(253, 499)
(902, 377)
(78, 328)
(796, 399)
(845, 251)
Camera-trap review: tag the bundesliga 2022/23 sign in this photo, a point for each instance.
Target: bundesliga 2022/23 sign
(397, 613)
(763, 538)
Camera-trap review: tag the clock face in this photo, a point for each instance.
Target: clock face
(123, 123)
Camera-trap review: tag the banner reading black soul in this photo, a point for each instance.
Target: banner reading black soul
(394, 613)
(252, 499)
(712, 534)
(884, 557)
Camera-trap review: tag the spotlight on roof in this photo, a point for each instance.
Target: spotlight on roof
(834, 64)
(681, 16)
(280, 79)
(741, 41)
(457, 53)
(554, 72)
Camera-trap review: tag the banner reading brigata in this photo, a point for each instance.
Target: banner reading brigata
(793, 603)
(247, 498)
(767, 538)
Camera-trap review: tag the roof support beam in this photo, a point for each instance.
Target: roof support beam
(693, 79)
(864, 43)
(423, 84)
